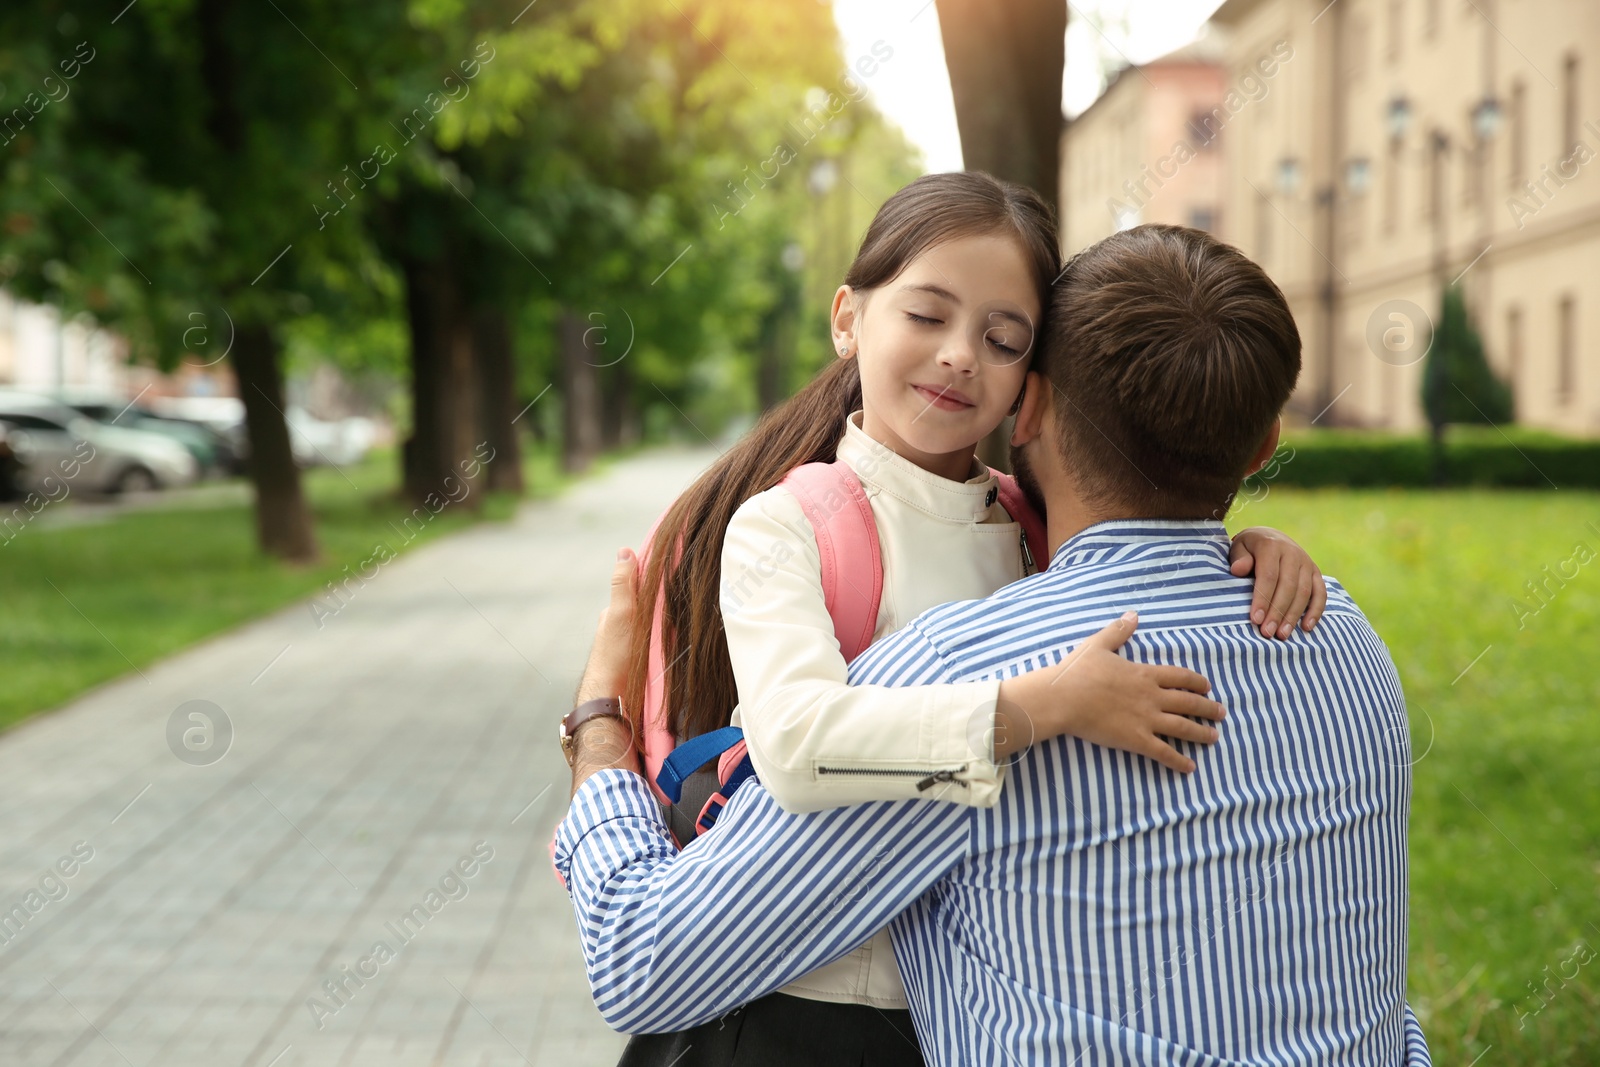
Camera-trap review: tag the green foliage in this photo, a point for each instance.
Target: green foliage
(1457, 384)
(1509, 457)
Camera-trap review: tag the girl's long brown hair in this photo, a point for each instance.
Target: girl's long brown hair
(699, 689)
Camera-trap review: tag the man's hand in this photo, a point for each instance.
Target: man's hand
(606, 674)
(603, 743)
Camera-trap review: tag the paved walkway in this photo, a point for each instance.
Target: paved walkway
(231, 912)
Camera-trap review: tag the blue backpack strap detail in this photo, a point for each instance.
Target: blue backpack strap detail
(691, 756)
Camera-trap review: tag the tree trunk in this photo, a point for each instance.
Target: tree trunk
(1005, 63)
(283, 522)
(618, 420)
(580, 385)
(444, 389)
(497, 372)
(777, 342)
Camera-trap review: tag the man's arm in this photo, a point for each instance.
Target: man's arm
(672, 939)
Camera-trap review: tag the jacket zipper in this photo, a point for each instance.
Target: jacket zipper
(929, 778)
(1028, 565)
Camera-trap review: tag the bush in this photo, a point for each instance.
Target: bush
(1512, 458)
(1457, 384)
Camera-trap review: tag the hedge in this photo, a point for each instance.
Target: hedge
(1509, 457)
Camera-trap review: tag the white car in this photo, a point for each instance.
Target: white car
(59, 446)
(315, 442)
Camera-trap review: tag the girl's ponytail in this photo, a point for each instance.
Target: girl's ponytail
(700, 690)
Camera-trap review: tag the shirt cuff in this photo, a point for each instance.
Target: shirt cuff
(959, 729)
(613, 820)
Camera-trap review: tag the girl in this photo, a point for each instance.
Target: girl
(933, 326)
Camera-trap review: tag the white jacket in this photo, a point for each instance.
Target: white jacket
(817, 742)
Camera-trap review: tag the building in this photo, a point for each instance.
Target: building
(1401, 145)
(1147, 149)
(41, 352)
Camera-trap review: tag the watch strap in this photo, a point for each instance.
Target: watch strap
(590, 709)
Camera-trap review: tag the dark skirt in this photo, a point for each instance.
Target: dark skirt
(784, 1031)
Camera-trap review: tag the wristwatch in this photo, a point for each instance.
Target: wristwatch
(610, 707)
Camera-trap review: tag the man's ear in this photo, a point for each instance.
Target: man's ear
(1263, 454)
(844, 322)
(1035, 399)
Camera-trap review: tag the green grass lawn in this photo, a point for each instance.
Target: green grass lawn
(1505, 703)
(1505, 828)
(81, 604)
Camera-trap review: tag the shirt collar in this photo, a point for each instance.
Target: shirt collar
(1118, 536)
(879, 466)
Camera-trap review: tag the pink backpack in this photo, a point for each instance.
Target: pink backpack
(833, 500)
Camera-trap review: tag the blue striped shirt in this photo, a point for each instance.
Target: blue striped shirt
(1106, 910)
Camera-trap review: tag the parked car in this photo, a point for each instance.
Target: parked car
(58, 443)
(212, 449)
(11, 462)
(315, 442)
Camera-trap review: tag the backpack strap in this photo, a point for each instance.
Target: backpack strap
(831, 497)
(694, 754)
(1022, 511)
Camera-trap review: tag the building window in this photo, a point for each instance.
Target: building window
(1517, 121)
(1263, 228)
(1514, 349)
(1391, 188)
(1569, 105)
(1204, 129)
(1397, 28)
(1434, 177)
(1566, 353)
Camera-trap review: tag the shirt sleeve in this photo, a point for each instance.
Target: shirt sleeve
(674, 939)
(815, 740)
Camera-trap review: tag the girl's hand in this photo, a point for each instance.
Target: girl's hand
(1288, 584)
(1097, 695)
(606, 674)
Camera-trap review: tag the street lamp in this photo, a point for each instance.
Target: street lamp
(1398, 117)
(1288, 175)
(1486, 118)
(1358, 175)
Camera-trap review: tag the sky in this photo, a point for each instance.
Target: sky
(913, 89)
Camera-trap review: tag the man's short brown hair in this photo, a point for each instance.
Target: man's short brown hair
(1170, 355)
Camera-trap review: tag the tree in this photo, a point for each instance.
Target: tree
(1006, 62)
(197, 183)
(1458, 385)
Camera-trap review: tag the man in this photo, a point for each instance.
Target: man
(1106, 910)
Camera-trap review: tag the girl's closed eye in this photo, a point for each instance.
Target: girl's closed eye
(923, 320)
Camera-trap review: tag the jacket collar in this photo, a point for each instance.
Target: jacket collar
(879, 466)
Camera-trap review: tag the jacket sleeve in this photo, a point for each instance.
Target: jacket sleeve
(815, 740)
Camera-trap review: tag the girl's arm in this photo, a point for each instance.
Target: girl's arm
(1289, 585)
(818, 742)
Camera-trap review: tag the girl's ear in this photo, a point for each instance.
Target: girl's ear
(844, 322)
